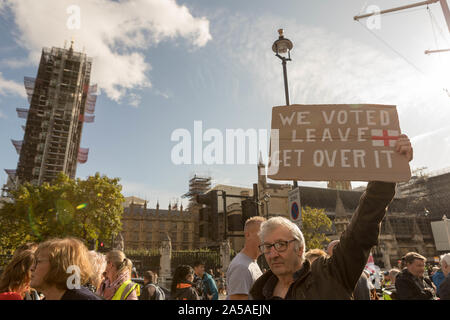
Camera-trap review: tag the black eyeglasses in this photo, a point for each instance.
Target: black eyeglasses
(279, 246)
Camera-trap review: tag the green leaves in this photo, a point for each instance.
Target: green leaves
(87, 209)
(315, 225)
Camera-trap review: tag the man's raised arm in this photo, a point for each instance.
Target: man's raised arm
(351, 254)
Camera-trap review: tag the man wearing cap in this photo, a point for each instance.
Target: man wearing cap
(411, 284)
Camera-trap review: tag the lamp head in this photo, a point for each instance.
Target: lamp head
(282, 45)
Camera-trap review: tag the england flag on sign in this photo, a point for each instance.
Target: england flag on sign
(384, 138)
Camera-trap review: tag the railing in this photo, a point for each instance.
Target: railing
(210, 258)
(144, 262)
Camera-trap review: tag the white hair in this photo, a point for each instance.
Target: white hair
(98, 261)
(276, 222)
(446, 258)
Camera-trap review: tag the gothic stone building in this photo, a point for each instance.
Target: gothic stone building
(144, 228)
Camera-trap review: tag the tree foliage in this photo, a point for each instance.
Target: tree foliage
(88, 209)
(315, 225)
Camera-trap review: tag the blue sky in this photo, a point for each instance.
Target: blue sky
(161, 65)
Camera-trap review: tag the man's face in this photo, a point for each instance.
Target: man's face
(252, 235)
(199, 270)
(40, 270)
(416, 268)
(445, 268)
(286, 262)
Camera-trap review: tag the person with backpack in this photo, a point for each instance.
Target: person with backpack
(182, 287)
(207, 287)
(151, 290)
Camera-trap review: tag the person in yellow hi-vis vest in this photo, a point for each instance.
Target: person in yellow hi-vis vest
(389, 290)
(117, 284)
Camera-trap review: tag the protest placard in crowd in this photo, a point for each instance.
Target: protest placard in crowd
(336, 142)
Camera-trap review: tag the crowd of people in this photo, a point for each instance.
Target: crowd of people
(38, 272)
(64, 269)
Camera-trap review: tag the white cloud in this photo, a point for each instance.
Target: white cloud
(15, 63)
(165, 95)
(11, 87)
(114, 33)
(135, 100)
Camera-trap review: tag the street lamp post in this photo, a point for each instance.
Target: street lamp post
(282, 48)
(266, 200)
(445, 219)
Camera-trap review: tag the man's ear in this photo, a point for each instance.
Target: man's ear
(300, 252)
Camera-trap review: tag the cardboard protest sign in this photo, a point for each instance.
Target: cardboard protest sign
(336, 142)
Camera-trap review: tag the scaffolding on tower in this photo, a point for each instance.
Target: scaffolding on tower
(11, 173)
(91, 98)
(86, 118)
(83, 155)
(22, 113)
(17, 144)
(197, 185)
(53, 123)
(29, 83)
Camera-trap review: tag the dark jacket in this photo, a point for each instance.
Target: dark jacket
(409, 289)
(158, 293)
(444, 289)
(336, 277)
(184, 291)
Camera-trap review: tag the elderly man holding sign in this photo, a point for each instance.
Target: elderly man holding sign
(293, 277)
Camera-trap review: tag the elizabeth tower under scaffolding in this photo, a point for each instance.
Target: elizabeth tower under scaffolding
(61, 100)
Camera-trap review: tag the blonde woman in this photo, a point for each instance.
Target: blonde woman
(117, 284)
(62, 269)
